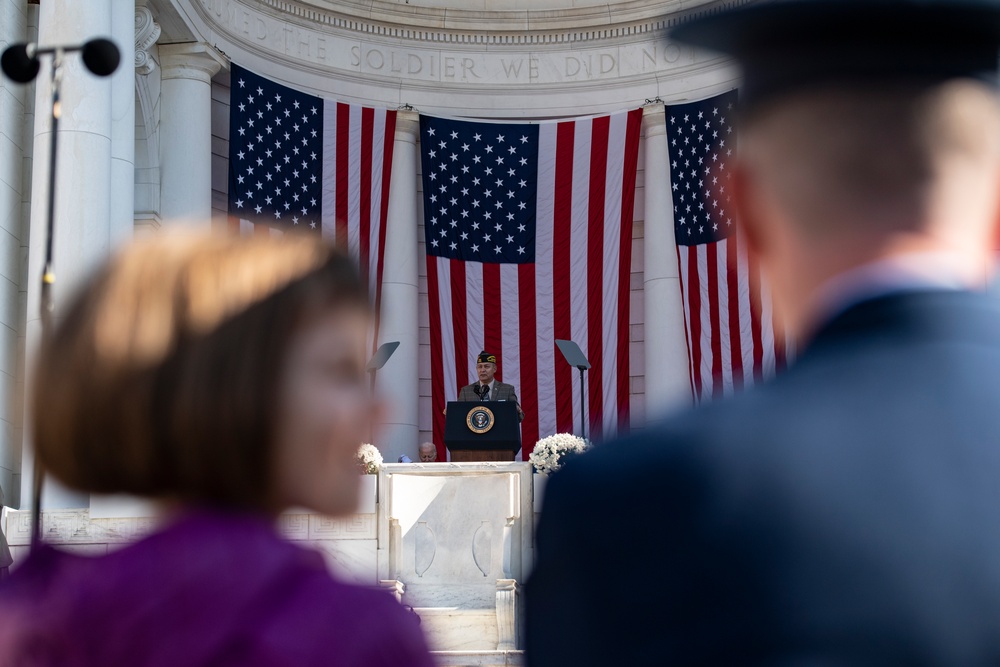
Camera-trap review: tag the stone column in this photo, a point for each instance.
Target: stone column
(123, 31)
(83, 192)
(13, 28)
(186, 132)
(668, 383)
(398, 381)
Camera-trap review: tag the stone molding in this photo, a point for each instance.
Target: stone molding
(78, 527)
(193, 60)
(377, 62)
(147, 31)
(392, 21)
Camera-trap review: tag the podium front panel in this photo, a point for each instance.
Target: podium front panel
(482, 426)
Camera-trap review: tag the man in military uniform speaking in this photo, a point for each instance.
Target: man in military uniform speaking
(488, 388)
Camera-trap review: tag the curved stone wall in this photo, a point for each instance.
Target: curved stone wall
(504, 62)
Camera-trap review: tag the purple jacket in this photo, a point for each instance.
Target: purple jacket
(209, 589)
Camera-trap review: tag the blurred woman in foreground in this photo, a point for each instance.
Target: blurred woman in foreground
(224, 377)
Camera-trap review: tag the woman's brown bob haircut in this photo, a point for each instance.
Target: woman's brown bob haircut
(162, 377)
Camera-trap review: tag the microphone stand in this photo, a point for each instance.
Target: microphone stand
(20, 63)
(48, 276)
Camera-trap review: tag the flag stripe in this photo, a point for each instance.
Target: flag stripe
(381, 183)
(595, 269)
(365, 194)
(528, 354)
(610, 276)
(476, 309)
(693, 289)
(544, 279)
(562, 273)
(746, 317)
(727, 303)
(437, 293)
(461, 311)
(579, 274)
(342, 174)
(714, 296)
(735, 329)
(756, 308)
(493, 316)
(508, 338)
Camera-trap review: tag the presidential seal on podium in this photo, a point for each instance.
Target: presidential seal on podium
(480, 419)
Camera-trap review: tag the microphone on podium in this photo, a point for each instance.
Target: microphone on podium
(482, 391)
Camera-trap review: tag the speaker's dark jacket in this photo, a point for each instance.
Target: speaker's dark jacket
(845, 513)
(500, 392)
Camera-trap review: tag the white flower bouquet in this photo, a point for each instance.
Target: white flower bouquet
(552, 452)
(369, 459)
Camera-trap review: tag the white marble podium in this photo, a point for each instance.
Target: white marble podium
(454, 546)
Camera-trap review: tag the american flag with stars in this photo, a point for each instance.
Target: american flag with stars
(733, 338)
(481, 185)
(528, 236)
(301, 162)
(276, 153)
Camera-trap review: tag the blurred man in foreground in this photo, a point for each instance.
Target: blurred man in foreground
(848, 512)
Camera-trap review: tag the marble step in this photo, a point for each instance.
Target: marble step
(478, 658)
(457, 629)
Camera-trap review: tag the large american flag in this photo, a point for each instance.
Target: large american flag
(733, 338)
(299, 162)
(528, 233)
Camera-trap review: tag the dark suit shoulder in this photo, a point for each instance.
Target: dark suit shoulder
(856, 392)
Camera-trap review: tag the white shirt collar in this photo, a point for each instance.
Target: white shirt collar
(900, 273)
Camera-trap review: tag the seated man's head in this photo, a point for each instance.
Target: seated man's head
(486, 367)
(427, 452)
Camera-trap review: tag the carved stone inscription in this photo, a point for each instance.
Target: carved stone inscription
(474, 64)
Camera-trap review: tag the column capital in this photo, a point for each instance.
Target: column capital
(654, 119)
(191, 60)
(147, 31)
(408, 123)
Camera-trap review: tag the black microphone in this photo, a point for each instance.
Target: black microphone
(482, 391)
(101, 56)
(18, 65)
(20, 61)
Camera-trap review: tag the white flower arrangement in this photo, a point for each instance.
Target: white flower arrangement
(551, 453)
(369, 459)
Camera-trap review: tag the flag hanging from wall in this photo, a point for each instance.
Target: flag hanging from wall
(733, 339)
(528, 236)
(299, 162)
